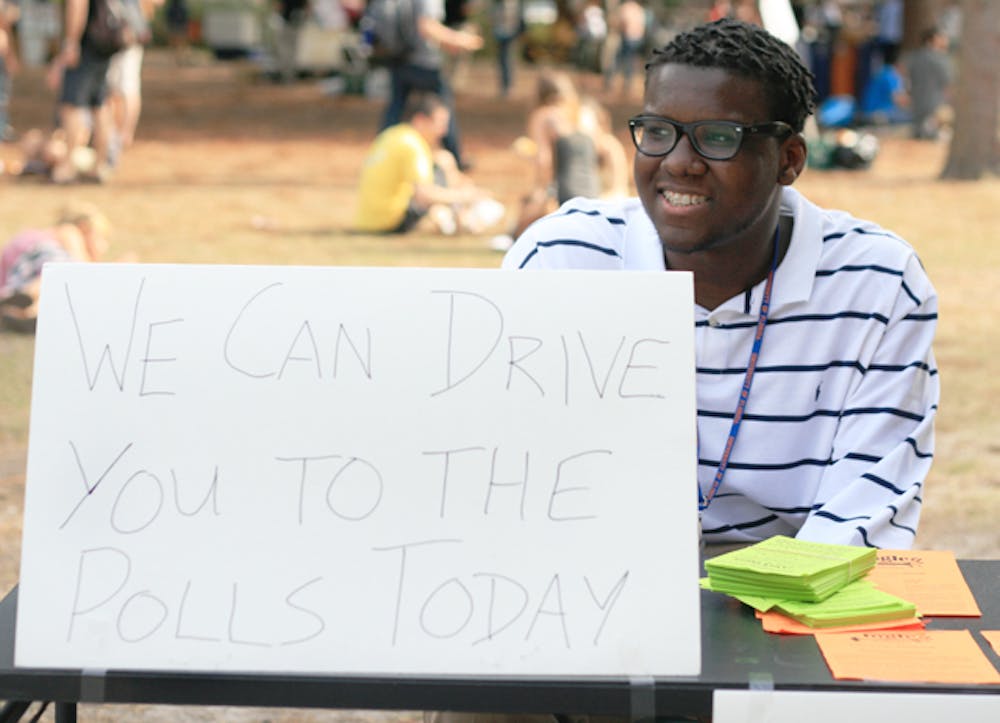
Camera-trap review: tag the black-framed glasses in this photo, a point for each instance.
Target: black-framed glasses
(716, 140)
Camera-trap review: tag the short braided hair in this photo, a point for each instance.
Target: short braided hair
(752, 52)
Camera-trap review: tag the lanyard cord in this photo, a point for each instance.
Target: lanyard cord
(734, 430)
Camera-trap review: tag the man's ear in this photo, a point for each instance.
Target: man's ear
(793, 159)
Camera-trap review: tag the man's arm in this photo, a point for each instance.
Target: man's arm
(74, 23)
(448, 38)
(429, 193)
(872, 494)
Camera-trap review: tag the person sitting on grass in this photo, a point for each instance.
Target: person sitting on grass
(885, 99)
(574, 151)
(409, 180)
(80, 233)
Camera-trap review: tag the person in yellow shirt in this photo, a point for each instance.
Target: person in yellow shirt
(407, 177)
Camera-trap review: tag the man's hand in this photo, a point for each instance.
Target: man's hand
(53, 74)
(69, 56)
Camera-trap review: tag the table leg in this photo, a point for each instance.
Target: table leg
(65, 712)
(13, 710)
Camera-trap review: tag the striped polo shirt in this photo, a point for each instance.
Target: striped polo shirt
(838, 432)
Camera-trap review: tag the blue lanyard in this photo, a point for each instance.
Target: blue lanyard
(765, 304)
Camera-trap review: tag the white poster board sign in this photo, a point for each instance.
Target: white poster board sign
(377, 471)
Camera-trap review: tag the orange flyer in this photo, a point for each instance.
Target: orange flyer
(931, 579)
(775, 622)
(926, 656)
(993, 638)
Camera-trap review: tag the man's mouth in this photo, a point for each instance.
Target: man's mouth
(683, 199)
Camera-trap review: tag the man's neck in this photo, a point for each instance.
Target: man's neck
(721, 274)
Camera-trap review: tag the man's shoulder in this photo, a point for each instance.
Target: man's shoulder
(582, 233)
(845, 235)
(403, 136)
(842, 232)
(852, 247)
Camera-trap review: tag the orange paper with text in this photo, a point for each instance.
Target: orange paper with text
(926, 656)
(931, 579)
(993, 638)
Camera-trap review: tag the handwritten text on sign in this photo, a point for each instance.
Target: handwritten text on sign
(361, 471)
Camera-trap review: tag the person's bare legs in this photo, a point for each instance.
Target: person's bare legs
(81, 125)
(74, 121)
(125, 109)
(102, 139)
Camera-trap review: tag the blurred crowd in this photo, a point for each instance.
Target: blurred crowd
(866, 77)
(93, 64)
(866, 74)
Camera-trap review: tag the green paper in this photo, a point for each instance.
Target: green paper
(859, 602)
(756, 602)
(789, 569)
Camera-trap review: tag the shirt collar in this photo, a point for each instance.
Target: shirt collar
(793, 281)
(796, 274)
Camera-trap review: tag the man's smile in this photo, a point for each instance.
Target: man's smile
(674, 198)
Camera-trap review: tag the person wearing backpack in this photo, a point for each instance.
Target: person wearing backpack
(420, 67)
(79, 71)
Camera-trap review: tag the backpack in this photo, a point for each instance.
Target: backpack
(389, 30)
(108, 28)
(137, 23)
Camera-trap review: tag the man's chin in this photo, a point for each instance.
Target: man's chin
(674, 243)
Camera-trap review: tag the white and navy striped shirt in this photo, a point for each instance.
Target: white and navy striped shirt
(838, 433)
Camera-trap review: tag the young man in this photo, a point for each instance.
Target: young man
(407, 176)
(836, 436)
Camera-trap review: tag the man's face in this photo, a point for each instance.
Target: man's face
(698, 204)
(439, 122)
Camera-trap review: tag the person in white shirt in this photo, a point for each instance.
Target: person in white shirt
(835, 436)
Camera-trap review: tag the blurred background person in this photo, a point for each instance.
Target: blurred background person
(889, 29)
(508, 24)
(289, 17)
(125, 79)
(592, 36)
(9, 65)
(575, 153)
(80, 73)
(928, 69)
(458, 16)
(178, 19)
(80, 233)
(408, 180)
(628, 26)
(422, 69)
(884, 99)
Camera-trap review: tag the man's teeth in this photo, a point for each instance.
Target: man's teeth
(683, 199)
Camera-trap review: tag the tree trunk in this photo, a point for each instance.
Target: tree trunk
(974, 147)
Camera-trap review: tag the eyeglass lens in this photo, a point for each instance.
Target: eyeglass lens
(716, 141)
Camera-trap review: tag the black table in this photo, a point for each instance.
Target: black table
(736, 653)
